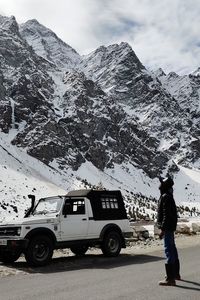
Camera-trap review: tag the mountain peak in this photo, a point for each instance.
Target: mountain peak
(9, 24)
(126, 45)
(48, 45)
(110, 48)
(173, 75)
(36, 26)
(33, 21)
(196, 72)
(114, 68)
(159, 73)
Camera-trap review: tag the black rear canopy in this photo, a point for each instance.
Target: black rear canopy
(106, 205)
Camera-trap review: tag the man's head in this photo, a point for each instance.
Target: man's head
(166, 184)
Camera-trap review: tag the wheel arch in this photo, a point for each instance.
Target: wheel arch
(110, 227)
(41, 231)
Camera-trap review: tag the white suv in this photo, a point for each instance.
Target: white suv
(78, 220)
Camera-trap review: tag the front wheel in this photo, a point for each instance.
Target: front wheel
(112, 244)
(79, 250)
(39, 251)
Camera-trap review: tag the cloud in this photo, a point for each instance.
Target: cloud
(68, 18)
(162, 33)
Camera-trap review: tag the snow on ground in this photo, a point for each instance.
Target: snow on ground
(21, 175)
(124, 177)
(187, 187)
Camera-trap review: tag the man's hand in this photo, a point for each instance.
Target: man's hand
(161, 235)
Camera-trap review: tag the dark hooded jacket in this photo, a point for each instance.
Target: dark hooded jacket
(167, 212)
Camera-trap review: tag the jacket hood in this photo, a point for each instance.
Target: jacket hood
(166, 185)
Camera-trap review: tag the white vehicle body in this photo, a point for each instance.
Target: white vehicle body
(73, 221)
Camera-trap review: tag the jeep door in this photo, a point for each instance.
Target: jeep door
(74, 220)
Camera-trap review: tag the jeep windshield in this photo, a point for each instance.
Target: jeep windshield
(48, 206)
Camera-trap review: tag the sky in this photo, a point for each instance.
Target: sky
(163, 33)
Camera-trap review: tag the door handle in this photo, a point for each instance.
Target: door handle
(84, 219)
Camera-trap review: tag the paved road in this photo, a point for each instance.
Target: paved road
(128, 277)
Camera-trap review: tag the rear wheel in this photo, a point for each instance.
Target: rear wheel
(39, 251)
(79, 250)
(112, 244)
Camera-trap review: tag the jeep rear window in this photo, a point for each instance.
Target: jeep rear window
(109, 203)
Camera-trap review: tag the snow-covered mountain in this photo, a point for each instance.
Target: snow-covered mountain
(70, 121)
(47, 45)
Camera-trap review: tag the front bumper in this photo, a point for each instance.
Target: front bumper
(12, 244)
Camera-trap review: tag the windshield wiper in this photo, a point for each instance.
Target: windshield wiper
(42, 212)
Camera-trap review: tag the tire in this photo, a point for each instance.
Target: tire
(79, 250)
(112, 244)
(10, 256)
(39, 251)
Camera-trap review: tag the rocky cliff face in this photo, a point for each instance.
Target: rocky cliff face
(26, 87)
(46, 44)
(186, 91)
(167, 107)
(105, 108)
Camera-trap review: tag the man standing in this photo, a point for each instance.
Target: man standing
(167, 222)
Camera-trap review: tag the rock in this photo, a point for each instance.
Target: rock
(156, 230)
(141, 232)
(183, 228)
(195, 227)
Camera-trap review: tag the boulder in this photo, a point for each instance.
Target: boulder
(183, 228)
(195, 227)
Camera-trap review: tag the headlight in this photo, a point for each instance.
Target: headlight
(19, 230)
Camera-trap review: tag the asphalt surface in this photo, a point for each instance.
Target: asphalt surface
(94, 277)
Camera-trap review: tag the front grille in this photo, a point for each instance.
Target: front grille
(9, 231)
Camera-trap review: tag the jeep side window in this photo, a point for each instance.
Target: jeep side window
(109, 203)
(75, 206)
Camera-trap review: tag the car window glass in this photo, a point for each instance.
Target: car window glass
(75, 206)
(109, 203)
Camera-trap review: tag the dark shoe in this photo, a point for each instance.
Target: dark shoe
(167, 282)
(170, 278)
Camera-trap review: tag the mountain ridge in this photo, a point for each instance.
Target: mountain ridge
(104, 111)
